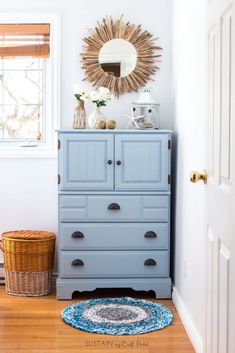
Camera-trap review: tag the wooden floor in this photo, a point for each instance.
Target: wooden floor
(33, 325)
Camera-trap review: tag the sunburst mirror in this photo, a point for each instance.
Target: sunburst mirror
(120, 56)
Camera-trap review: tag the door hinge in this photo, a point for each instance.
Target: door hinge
(58, 178)
(169, 144)
(169, 178)
(58, 144)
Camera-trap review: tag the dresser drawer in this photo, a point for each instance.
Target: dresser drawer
(95, 264)
(114, 208)
(117, 236)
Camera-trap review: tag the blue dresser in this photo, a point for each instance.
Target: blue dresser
(114, 210)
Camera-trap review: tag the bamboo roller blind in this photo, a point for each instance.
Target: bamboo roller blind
(21, 40)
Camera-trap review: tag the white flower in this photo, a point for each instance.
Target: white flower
(101, 96)
(85, 97)
(94, 95)
(78, 90)
(81, 94)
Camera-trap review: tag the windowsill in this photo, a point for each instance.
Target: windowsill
(28, 152)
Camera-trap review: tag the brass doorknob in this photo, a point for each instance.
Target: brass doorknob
(197, 176)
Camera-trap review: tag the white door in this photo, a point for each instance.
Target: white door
(220, 274)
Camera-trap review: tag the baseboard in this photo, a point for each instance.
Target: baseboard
(2, 275)
(187, 322)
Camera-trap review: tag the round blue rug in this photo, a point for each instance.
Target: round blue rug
(117, 316)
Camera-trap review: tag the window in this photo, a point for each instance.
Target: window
(23, 51)
(29, 82)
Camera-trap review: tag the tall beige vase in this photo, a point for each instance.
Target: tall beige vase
(79, 119)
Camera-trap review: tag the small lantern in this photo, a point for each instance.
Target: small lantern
(146, 106)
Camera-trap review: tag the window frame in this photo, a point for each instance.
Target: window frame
(14, 149)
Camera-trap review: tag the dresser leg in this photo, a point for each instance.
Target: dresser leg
(161, 286)
(63, 293)
(164, 291)
(66, 287)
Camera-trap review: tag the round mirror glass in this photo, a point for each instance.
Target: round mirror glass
(118, 57)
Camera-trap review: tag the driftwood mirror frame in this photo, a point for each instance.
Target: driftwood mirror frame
(147, 62)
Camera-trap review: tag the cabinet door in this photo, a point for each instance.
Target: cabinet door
(141, 162)
(83, 162)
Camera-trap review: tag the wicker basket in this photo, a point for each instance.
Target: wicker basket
(28, 261)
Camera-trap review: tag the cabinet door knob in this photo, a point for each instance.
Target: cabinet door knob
(77, 262)
(110, 162)
(150, 234)
(114, 206)
(150, 262)
(119, 162)
(77, 235)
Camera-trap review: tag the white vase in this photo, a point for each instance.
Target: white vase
(96, 114)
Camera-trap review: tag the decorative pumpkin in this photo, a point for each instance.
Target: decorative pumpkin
(100, 124)
(110, 124)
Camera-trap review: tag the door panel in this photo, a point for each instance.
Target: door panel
(225, 145)
(220, 308)
(224, 265)
(84, 162)
(142, 162)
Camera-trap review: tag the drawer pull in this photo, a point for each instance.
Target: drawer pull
(110, 162)
(150, 262)
(77, 235)
(150, 234)
(77, 262)
(114, 206)
(119, 162)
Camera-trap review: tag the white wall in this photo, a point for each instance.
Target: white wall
(189, 53)
(28, 186)
(76, 17)
(28, 194)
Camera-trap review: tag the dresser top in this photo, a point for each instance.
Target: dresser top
(116, 131)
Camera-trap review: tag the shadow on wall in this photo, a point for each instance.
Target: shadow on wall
(174, 159)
